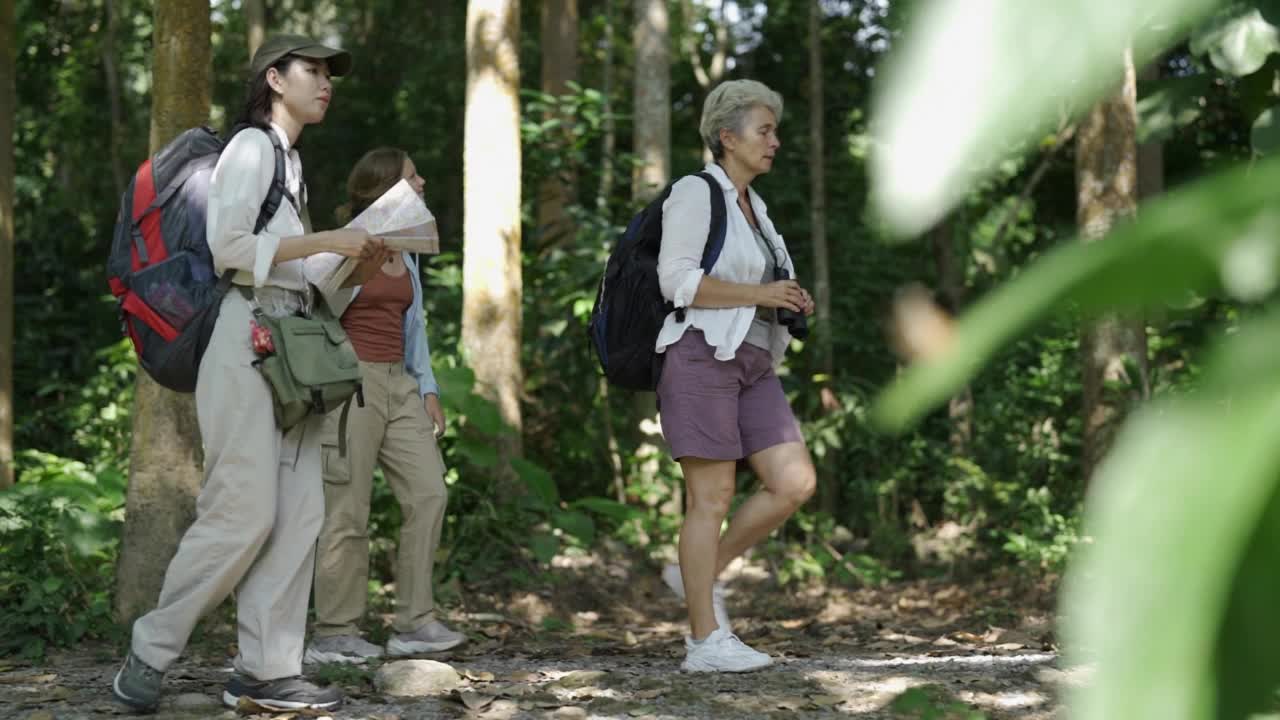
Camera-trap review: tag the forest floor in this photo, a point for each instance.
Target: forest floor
(604, 640)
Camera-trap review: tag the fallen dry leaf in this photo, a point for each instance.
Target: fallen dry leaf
(28, 679)
(648, 694)
(791, 703)
(826, 700)
(475, 700)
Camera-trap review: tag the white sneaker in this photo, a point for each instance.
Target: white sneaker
(671, 576)
(722, 651)
(435, 636)
(340, 649)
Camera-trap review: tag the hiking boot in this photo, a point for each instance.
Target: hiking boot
(432, 637)
(722, 651)
(291, 693)
(137, 684)
(340, 649)
(671, 577)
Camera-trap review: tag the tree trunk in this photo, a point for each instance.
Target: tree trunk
(109, 70)
(952, 286)
(8, 106)
(710, 74)
(491, 280)
(609, 142)
(559, 68)
(830, 487)
(1151, 154)
(1114, 348)
(255, 20)
(166, 457)
(652, 141)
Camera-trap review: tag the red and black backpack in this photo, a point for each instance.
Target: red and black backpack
(160, 268)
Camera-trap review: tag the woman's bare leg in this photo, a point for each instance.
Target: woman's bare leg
(709, 485)
(787, 480)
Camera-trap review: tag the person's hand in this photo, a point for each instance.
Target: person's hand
(356, 243)
(809, 306)
(782, 294)
(366, 269)
(435, 412)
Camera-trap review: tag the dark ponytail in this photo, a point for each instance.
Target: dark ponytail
(259, 95)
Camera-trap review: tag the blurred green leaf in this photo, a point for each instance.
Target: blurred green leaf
(538, 480)
(1169, 104)
(1237, 39)
(1176, 596)
(576, 524)
(606, 507)
(544, 546)
(1218, 233)
(972, 81)
(1264, 136)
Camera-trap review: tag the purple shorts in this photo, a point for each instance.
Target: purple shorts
(722, 410)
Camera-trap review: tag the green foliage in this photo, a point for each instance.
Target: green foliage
(930, 702)
(59, 528)
(1237, 39)
(1172, 596)
(891, 506)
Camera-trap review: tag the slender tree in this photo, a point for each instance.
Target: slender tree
(818, 190)
(651, 144)
(112, 74)
(652, 99)
(165, 458)
(255, 20)
(8, 106)
(830, 489)
(609, 142)
(708, 74)
(949, 265)
(1114, 348)
(491, 277)
(559, 68)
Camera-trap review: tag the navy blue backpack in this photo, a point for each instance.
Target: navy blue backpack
(630, 310)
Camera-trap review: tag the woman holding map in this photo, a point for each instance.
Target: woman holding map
(396, 429)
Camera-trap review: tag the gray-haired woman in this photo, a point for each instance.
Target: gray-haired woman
(720, 398)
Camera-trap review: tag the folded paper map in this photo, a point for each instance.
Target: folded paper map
(399, 218)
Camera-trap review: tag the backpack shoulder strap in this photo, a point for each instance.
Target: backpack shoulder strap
(719, 223)
(716, 233)
(278, 191)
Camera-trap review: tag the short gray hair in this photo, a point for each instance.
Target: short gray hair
(727, 106)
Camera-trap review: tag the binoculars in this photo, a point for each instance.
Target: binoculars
(795, 322)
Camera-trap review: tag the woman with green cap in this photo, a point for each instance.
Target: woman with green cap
(262, 504)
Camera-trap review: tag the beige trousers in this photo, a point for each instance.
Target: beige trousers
(258, 514)
(392, 431)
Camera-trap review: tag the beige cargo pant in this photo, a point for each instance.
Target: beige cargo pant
(257, 517)
(392, 431)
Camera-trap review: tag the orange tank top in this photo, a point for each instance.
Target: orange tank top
(375, 319)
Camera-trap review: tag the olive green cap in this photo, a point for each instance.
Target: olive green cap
(277, 46)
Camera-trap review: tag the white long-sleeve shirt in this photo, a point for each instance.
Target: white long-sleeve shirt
(686, 220)
(237, 190)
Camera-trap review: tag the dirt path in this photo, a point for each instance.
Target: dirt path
(959, 649)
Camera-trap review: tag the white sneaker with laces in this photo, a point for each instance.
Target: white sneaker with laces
(722, 651)
(671, 577)
(340, 649)
(435, 636)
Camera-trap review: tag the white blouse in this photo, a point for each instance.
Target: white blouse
(236, 193)
(686, 220)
